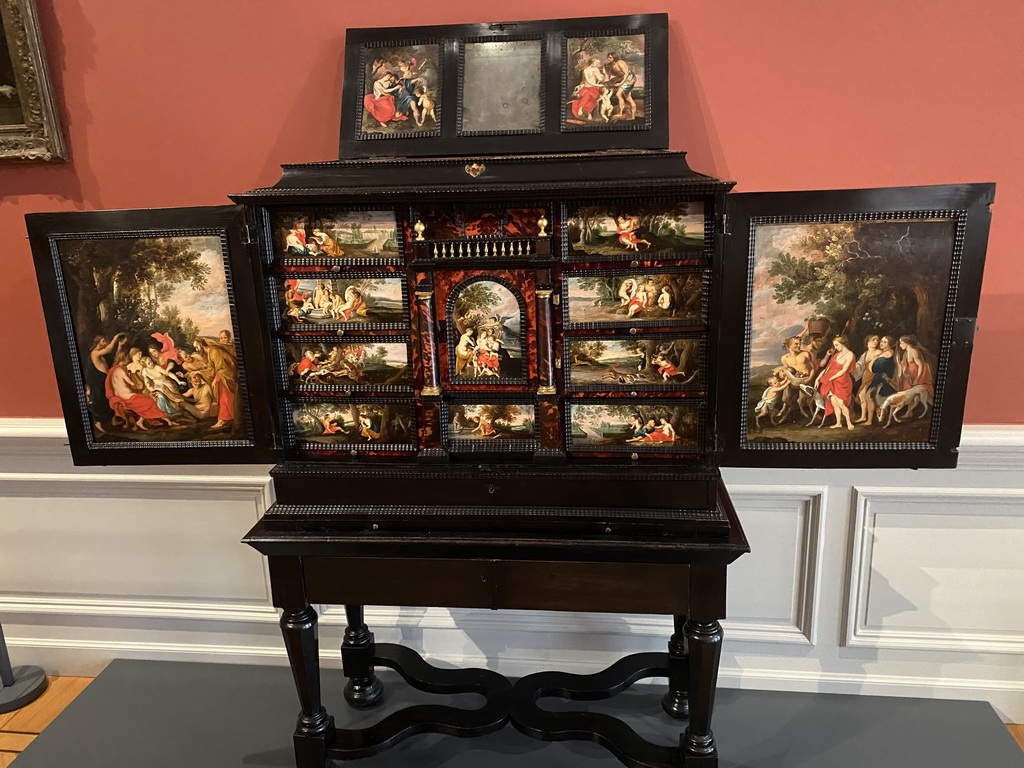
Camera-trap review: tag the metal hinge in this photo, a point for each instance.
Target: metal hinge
(964, 329)
(248, 236)
(723, 224)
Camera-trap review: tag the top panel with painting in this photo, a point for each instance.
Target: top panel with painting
(560, 85)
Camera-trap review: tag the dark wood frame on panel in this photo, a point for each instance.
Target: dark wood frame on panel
(312, 212)
(652, 134)
(542, 92)
(635, 450)
(695, 255)
(284, 376)
(635, 324)
(968, 205)
(350, 449)
(256, 389)
(697, 383)
(274, 281)
(454, 444)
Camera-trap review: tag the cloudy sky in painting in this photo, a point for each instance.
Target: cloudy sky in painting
(208, 307)
(772, 323)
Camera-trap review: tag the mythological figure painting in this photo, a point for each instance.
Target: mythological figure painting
(604, 81)
(155, 337)
(319, 365)
(631, 231)
(486, 333)
(337, 235)
(605, 363)
(355, 424)
(638, 426)
(401, 89)
(498, 422)
(342, 300)
(846, 329)
(622, 300)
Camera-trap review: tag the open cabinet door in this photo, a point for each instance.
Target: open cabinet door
(847, 326)
(156, 335)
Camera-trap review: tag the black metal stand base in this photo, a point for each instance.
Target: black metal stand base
(427, 718)
(27, 685)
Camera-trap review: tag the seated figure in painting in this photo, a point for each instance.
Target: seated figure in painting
(326, 243)
(353, 304)
(131, 408)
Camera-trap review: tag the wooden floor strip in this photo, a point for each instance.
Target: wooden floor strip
(15, 742)
(6, 758)
(40, 713)
(1017, 731)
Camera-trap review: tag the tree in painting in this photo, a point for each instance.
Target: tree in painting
(617, 364)
(846, 327)
(401, 89)
(354, 423)
(308, 301)
(493, 421)
(640, 425)
(612, 298)
(318, 365)
(598, 230)
(606, 80)
(486, 332)
(153, 327)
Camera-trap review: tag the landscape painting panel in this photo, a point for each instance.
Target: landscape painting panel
(337, 234)
(320, 364)
(600, 230)
(401, 90)
(355, 424)
(846, 329)
(487, 332)
(154, 335)
(497, 422)
(624, 300)
(605, 81)
(345, 300)
(621, 364)
(640, 426)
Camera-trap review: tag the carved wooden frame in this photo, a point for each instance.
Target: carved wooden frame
(39, 138)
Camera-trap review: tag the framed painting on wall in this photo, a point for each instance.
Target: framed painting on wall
(29, 126)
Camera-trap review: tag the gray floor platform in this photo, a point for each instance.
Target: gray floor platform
(171, 715)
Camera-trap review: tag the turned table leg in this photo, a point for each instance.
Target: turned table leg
(315, 727)
(675, 701)
(364, 688)
(704, 648)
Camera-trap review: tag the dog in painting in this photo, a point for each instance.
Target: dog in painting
(905, 402)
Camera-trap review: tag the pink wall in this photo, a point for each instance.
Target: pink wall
(179, 103)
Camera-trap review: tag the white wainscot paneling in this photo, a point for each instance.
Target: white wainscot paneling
(132, 545)
(938, 570)
(772, 592)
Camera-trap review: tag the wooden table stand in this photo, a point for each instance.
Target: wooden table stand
(682, 578)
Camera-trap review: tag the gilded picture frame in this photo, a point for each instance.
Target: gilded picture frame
(30, 129)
